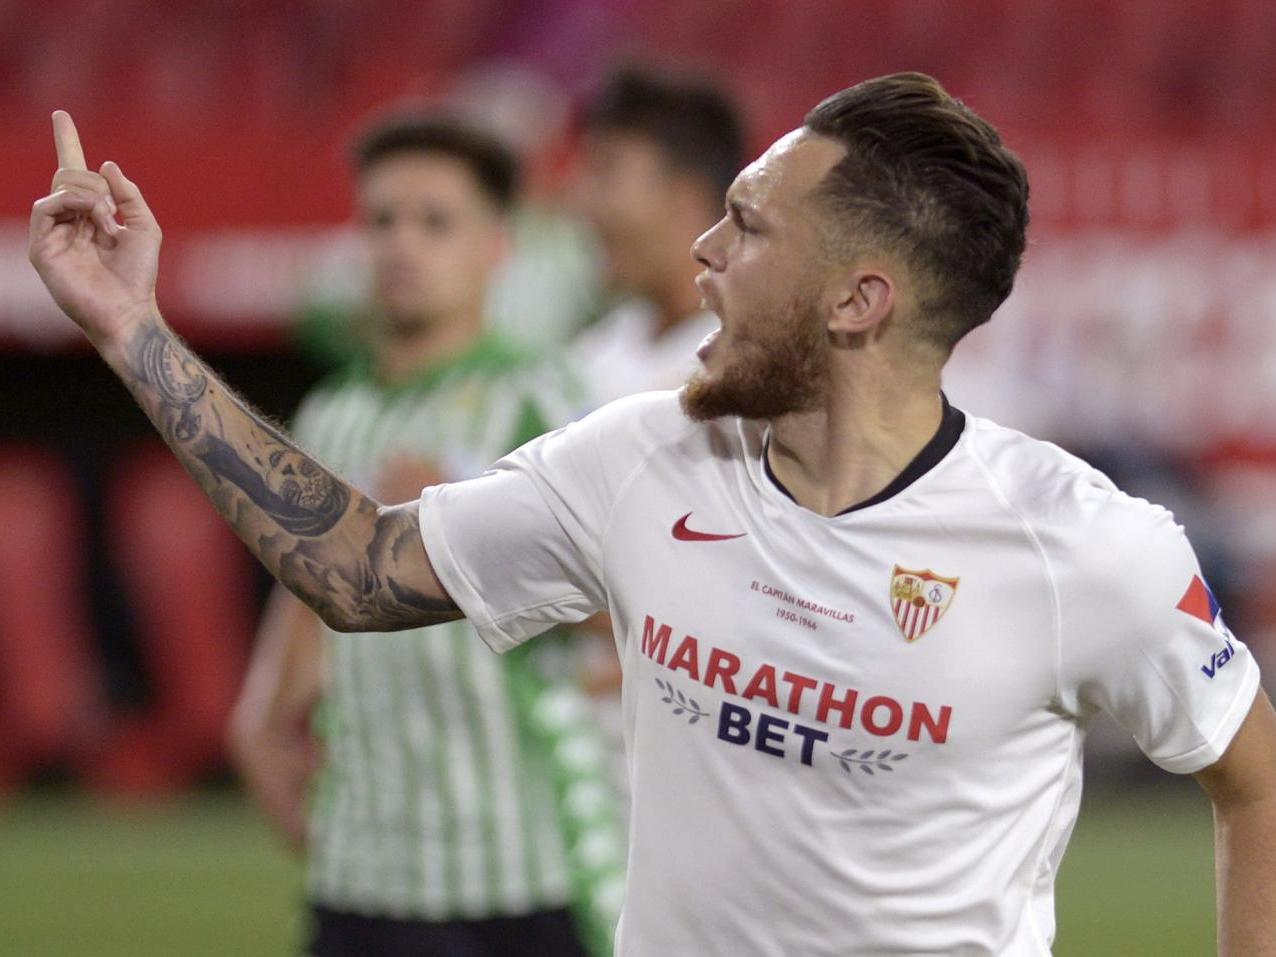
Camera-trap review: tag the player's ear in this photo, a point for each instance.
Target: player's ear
(860, 301)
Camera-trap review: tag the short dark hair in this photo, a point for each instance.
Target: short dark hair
(493, 164)
(926, 178)
(693, 123)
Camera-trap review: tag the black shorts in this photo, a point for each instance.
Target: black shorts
(335, 933)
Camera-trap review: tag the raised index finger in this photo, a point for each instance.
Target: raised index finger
(67, 140)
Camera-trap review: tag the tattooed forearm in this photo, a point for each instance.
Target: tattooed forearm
(294, 491)
(374, 587)
(180, 382)
(360, 566)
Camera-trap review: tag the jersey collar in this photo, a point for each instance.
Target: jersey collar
(951, 425)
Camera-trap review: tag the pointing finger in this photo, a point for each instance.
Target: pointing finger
(67, 140)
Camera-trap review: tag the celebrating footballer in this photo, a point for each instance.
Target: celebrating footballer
(862, 632)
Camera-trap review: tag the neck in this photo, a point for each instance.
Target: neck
(401, 357)
(873, 422)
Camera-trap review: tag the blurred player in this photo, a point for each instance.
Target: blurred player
(862, 633)
(435, 825)
(550, 285)
(658, 156)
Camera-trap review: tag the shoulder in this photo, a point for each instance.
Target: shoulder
(1032, 472)
(1089, 528)
(1043, 483)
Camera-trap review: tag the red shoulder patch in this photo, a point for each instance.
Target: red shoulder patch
(1198, 602)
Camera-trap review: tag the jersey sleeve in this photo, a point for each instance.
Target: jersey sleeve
(1143, 638)
(520, 549)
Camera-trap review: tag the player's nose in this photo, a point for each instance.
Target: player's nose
(707, 250)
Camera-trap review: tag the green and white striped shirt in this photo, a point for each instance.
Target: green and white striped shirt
(437, 799)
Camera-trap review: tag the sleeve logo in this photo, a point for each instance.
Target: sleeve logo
(919, 600)
(1199, 602)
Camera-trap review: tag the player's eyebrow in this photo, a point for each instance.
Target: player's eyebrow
(736, 209)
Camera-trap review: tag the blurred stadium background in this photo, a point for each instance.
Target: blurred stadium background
(1142, 334)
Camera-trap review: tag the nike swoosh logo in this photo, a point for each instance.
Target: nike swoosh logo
(684, 534)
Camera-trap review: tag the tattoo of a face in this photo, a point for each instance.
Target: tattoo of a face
(297, 494)
(290, 488)
(265, 485)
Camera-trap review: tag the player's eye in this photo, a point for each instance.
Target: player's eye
(737, 219)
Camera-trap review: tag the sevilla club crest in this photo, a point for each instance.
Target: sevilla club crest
(919, 599)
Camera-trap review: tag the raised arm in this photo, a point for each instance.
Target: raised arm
(359, 565)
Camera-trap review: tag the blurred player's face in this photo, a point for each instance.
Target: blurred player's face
(765, 276)
(433, 236)
(625, 191)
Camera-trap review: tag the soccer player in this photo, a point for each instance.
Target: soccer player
(658, 154)
(862, 632)
(436, 825)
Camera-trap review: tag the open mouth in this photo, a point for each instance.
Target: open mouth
(707, 343)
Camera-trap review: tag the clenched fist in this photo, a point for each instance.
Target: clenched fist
(101, 270)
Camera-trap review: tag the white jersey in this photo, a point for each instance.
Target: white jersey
(622, 354)
(850, 735)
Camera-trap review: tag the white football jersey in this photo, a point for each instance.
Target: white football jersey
(858, 734)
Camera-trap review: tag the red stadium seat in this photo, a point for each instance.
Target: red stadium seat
(51, 703)
(190, 591)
